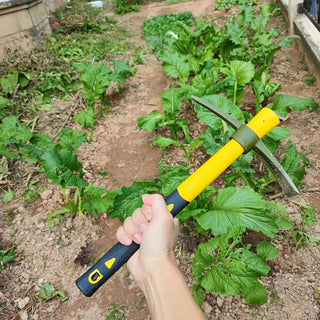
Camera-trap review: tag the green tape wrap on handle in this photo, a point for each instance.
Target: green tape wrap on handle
(119, 254)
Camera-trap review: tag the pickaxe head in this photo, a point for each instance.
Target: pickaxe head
(249, 140)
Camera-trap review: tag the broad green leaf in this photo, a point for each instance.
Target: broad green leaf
(98, 200)
(96, 80)
(226, 269)
(239, 207)
(9, 83)
(23, 79)
(122, 71)
(48, 291)
(13, 131)
(172, 100)
(273, 138)
(151, 121)
(72, 139)
(7, 257)
(242, 70)
(294, 164)
(267, 251)
(85, 118)
(129, 198)
(63, 167)
(8, 196)
(222, 103)
(236, 34)
(6, 152)
(283, 104)
(176, 65)
(172, 178)
(3, 102)
(164, 142)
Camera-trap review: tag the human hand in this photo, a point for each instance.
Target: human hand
(154, 228)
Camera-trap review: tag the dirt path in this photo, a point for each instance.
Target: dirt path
(124, 151)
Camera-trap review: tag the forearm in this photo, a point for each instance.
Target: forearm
(168, 295)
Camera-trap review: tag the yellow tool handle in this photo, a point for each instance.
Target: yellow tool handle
(261, 124)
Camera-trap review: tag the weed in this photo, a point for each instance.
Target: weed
(6, 256)
(48, 292)
(117, 312)
(302, 237)
(310, 80)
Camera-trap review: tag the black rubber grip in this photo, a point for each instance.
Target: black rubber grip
(104, 269)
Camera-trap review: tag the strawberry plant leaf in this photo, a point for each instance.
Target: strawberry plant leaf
(71, 139)
(62, 167)
(85, 118)
(97, 199)
(267, 251)
(241, 207)
(226, 269)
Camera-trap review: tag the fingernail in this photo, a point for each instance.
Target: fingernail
(137, 237)
(127, 240)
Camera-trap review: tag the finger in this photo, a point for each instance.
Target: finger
(132, 230)
(123, 237)
(147, 211)
(140, 220)
(158, 205)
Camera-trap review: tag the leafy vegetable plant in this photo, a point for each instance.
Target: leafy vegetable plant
(96, 79)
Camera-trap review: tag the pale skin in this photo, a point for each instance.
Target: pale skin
(153, 266)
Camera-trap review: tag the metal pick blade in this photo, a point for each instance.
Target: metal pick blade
(285, 182)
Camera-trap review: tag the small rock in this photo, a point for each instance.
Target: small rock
(206, 307)
(220, 302)
(21, 303)
(41, 225)
(24, 315)
(46, 194)
(69, 223)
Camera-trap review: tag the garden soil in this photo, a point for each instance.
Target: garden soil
(125, 153)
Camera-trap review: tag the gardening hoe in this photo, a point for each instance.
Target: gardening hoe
(244, 139)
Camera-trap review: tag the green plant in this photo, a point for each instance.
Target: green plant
(6, 256)
(48, 292)
(117, 312)
(302, 236)
(310, 80)
(126, 6)
(163, 142)
(96, 79)
(228, 4)
(218, 64)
